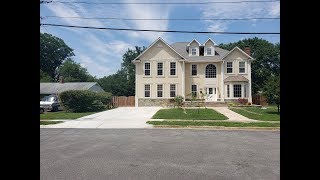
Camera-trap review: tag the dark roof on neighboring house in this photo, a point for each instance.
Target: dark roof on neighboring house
(237, 78)
(181, 48)
(53, 88)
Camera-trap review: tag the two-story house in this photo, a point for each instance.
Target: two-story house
(164, 71)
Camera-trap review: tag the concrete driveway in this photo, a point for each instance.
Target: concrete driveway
(121, 117)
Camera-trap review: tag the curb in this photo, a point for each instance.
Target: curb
(218, 128)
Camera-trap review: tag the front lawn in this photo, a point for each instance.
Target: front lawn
(63, 115)
(189, 114)
(269, 114)
(212, 123)
(49, 122)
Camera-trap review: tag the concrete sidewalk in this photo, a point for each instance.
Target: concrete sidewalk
(233, 116)
(121, 117)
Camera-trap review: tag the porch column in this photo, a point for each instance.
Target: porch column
(183, 80)
(221, 82)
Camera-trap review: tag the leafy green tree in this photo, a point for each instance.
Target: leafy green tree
(74, 72)
(122, 83)
(266, 63)
(272, 90)
(44, 77)
(53, 51)
(129, 68)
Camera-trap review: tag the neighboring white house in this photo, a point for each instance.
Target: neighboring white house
(164, 71)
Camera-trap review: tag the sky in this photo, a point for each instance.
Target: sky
(100, 51)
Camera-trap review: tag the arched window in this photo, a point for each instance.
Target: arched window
(211, 71)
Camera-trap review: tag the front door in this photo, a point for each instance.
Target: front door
(211, 93)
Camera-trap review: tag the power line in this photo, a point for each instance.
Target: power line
(163, 19)
(153, 30)
(181, 3)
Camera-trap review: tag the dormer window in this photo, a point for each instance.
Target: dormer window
(209, 51)
(193, 51)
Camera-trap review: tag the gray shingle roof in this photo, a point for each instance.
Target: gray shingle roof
(181, 47)
(237, 78)
(53, 88)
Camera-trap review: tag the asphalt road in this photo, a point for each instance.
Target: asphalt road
(158, 154)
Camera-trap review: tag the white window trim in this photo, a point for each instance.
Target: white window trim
(212, 51)
(162, 91)
(176, 87)
(176, 75)
(144, 66)
(197, 51)
(229, 67)
(191, 71)
(196, 89)
(245, 69)
(163, 65)
(144, 90)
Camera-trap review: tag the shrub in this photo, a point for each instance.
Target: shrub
(231, 104)
(249, 104)
(83, 100)
(178, 101)
(242, 101)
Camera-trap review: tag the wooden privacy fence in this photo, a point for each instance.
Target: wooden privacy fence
(123, 101)
(260, 100)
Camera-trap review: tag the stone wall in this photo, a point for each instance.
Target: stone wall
(155, 102)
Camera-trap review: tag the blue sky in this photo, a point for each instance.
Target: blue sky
(100, 51)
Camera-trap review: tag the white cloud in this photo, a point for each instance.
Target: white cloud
(275, 9)
(146, 12)
(237, 10)
(95, 68)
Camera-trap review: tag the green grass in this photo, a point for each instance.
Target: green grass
(191, 114)
(49, 122)
(63, 115)
(269, 114)
(211, 123)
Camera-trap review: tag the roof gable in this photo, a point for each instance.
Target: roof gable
(194, 40)
(241, 51)
(211, 41)
(159, 39)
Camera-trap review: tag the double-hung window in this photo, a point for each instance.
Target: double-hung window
(229, 67)
(172, 90)
(209, 51)
(160, 90)
(242, 68)
(147, 90)
(193, 51)
(160, 69)
(147, 69)
(172, 68)
(194, 70)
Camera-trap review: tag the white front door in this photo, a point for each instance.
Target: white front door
(211, 94)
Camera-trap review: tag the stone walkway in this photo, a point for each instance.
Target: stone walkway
(233, 116)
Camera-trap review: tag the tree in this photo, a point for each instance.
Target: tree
(122, 83)
(44, 77)
(272, 91)
(73, 72)
(266, 63)
(129, 68)
(53, 51)
(115, 83)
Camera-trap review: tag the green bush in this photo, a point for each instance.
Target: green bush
(84, 100)
(178, 101)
